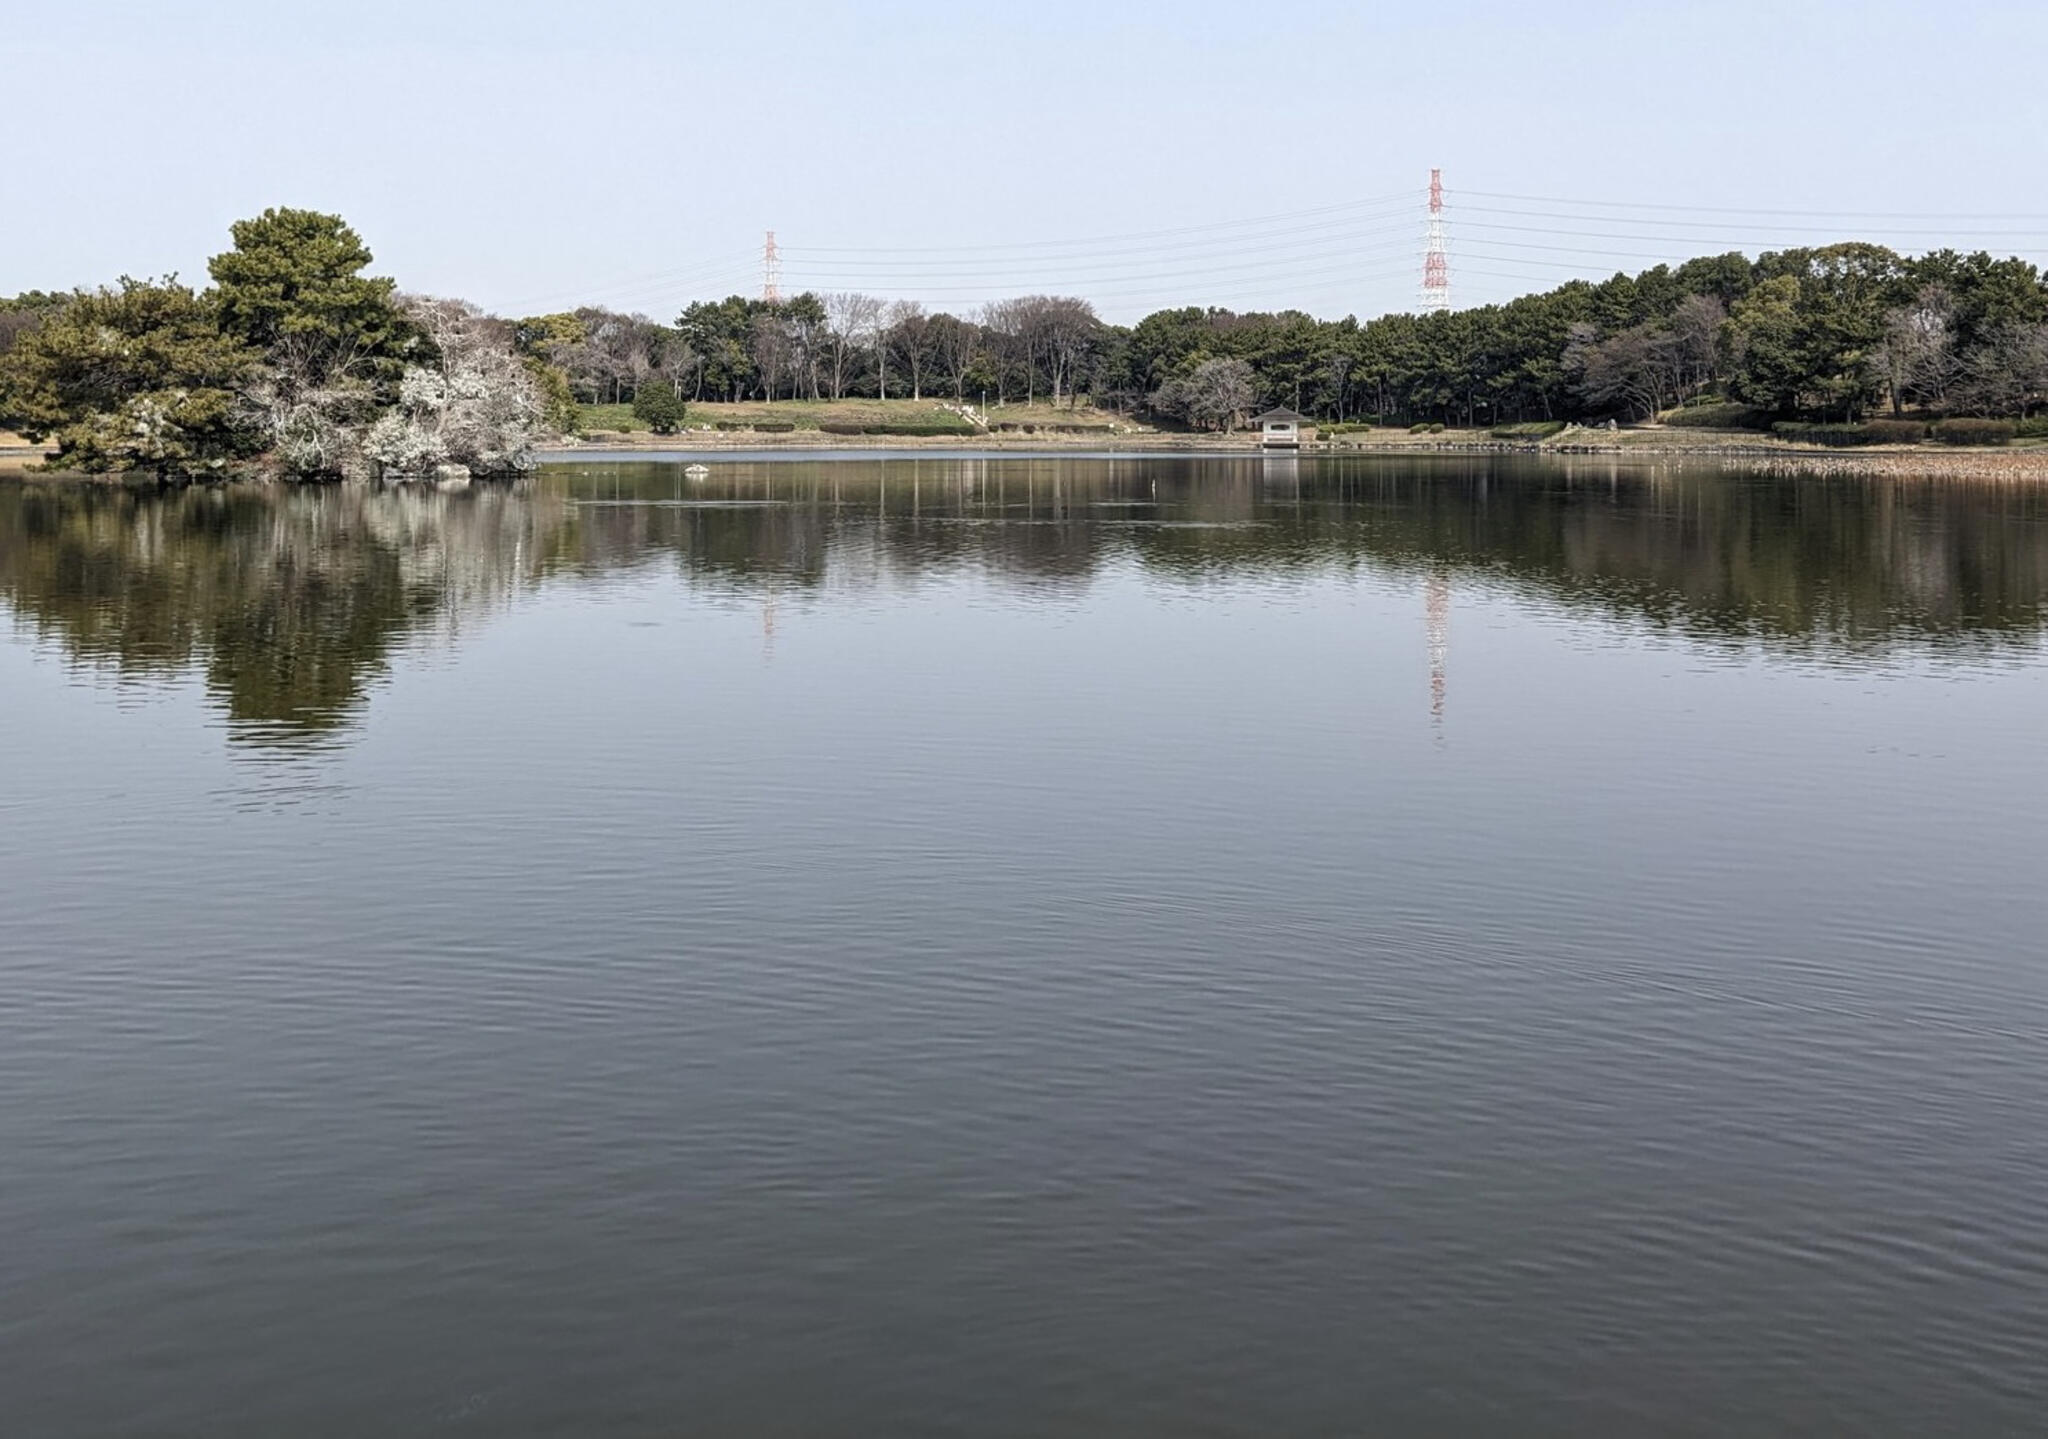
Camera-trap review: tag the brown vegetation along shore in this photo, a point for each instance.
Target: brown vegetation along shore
(1986, 465)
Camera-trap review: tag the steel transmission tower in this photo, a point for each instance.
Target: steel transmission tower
(771, 271)
(1436, 263)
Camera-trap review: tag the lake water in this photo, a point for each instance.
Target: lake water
(1025, 946)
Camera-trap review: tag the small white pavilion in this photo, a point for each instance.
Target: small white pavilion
(1283, 429)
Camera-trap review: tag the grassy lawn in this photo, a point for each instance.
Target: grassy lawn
(809, 414)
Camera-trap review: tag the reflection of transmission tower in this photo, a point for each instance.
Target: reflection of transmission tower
(771, 271)
(1436, 264)
(1437, 607)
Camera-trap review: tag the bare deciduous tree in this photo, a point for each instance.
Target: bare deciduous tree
(771, 352)
(851, 321)
(1222, 392)
(1625, 370)
(1694, 350)
(1916, 358)
(1002, 329)
(613, 351)
(1216, 394)
(1071, 332)
(957, 344)
(2008, 373)
(676, 362)
(909, 338)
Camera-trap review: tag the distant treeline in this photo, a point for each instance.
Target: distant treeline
(294, 353)
(1828, 334)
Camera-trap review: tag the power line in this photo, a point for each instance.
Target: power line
(1348, 267)
(1013, 278)
(1377, 200)
(1136, 255)
(1350, 240)
(1725, 210)
(715, 268)
(1706, 225)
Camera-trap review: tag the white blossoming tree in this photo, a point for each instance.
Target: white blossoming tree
(477, 408)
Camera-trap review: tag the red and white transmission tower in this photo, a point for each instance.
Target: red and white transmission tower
(1436, 262)
(771, 271)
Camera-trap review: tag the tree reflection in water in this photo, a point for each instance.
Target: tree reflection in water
(290, 602)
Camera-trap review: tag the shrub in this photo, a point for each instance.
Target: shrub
(839, 427)
(774, 427)
(1719, 417)
(730, 425)
(1421, 429)
(2034, 429)
(1346, 427)
(660, 407)
(1897, 432)
(1436, 427)
(1528, 430)
(1975, 432)
(559, 409)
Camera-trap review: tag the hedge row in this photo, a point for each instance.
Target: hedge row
(1847, 436)
(1719, 417)
(1975, 432)
(1014, 427)
(922, 427)
(1528, 430)
(1899, 432)
(898, 427)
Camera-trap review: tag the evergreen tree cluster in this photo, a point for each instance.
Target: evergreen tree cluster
(1835, 333)
(294, 359)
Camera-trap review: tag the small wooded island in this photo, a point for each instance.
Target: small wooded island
(297, 364)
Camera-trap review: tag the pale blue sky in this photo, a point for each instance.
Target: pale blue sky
(533, 156)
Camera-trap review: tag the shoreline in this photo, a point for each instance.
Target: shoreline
(1997, 462)
(2000, 463)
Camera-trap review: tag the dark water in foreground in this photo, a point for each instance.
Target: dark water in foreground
(1026, 947)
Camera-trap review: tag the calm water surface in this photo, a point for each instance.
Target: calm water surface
(1026, 946)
